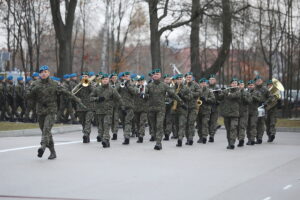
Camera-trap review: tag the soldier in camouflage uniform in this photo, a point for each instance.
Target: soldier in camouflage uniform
(10, 99)
(272, 116)
(207, 97)
(45, 91)
(156, 92)
(213, 120)
(180, 109)
(20, 100)
(246, 99)
(230, 111)
(168, 115)
(266, 96)
(140, 109)
(2, 98)
(104, 96)
(192, 107)
(86, 114)
(253, 113)
(127, 92)
(115, 116)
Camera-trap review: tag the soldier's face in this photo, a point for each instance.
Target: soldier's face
(74, 78)
(179, 81)
(241, 85)
(44, 74)
(167, 80)
(127, 77)
(212, 81)
(67, 79)
(105, 81)
(258, 82)
(114, 78)
(189, 78)
(269, 86)
(21, 82)
(36, 78)
(156, 76)
(251, 86)
(203, 84)
(84, 77)
(234, 84)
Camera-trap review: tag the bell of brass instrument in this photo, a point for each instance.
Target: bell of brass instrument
(198, 104)
(175, 103)
(83, 83)
(122, 84)
(275, 91)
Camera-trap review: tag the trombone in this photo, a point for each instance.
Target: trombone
(83, 83)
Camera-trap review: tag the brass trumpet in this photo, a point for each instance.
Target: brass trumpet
(83, 83)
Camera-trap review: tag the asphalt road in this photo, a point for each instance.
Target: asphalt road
(87, 171)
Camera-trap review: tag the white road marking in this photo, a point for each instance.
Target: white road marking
(267, 198)
(287, 187)
(36, 146)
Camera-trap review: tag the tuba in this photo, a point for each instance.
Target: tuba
(275, 91)
(83, 83)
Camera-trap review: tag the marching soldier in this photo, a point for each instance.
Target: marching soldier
(85, 113)
(213, 120)
(180, 109)
(230, 111)
(140, 109)
(156, 91)
(10, 100)
(272, 117)
(2, 98)
(192, 107)
(207, 97)
(104, 97)
(246, 99)
(45, 92)
(253, 113)
(115, 115)
(168, 115)
(127, 92)
(20, 101)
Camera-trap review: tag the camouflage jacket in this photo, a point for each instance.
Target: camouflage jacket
(215, 105)
(156, 92)
(246, 99)
(10, 88)
(195, 94)
(140, 102)
(231, 102)
(84, 95)
(266, 96)
(2, 91)
(46, 92)
(109, 94)
(256, 97)
(185, 94)
(207, 98)
(128, 93)
(20, 92)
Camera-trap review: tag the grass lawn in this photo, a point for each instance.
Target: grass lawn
(7, 126)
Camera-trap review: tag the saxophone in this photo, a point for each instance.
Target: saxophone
(175, 103)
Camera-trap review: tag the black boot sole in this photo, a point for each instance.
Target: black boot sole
(40, 152)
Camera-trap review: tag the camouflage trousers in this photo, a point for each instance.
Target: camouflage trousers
(104, 123)
(140, 121)
(126, 120)
(64, 116)
(85, 119)
(46, 123)
(251, 127)
(20, 104)
(203, 126)
(213, 122)
(157, 121)
(271, 121)
(115, 120)
(231, 125)
(168, 121)
(261, 121)
(180, 123)
(190, 123)
(2, 110)
(30, 108)
(242, 126)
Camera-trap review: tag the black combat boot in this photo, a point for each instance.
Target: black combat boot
(88, 139)
(158, 147)
(126, 141)
(258, 141)
(140, 140)
(241, 143)
(52, 153)
(231, 147)
(211, 139)
(114, 137)
(41, 151)
(200, 140)
(204, 140)
(85, 139)
(271, 138)
(99, 139)
(174, 137)
(189, 142)
(105, 144)
(179, 143)
(249, 142)
(152, 139)
(166, 138)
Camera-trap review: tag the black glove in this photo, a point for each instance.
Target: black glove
(101, 99)
(202, 99)
(184, 106)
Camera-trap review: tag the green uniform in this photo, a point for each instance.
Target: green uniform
(140, 112)
(246, 99)
(45, 92)
(192, 109)
(20, 100)
(31, 107)
(156, 92)
(115, 115)
(230, 112)
(208, 98)
(271, 121)
(104, 97)
(168, 121)
(213, 120)
(10, 101)
(2, 100)
(65, 105)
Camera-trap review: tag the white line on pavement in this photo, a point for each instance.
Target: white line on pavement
(287, 187)
(267, 198)
(36, 146)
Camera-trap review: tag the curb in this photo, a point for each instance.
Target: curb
(37, 131)
(280, 129)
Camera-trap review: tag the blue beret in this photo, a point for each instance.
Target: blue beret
(43, 68)
(35, 74)
(66, 76)
(203, 80)
(28, 78)
(91, 73)
(113, 74)
(20, 78)
(10, 78)
(142, 78)
(133, 75)
(1, 78)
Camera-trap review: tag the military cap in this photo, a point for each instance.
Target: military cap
(1, 78)
(212, 76)
(85, 73)
(126, 73)
(188, 74)
(73, 75)
(113, 74)
(43, 68)
(178, 76)
(66, 76)
(157, 70)
(91, 73)
(133, 75)
(121, 74)
(20, 78)
(203, 80)
(10, 78)
(269, 82)
(250, 82)
(28, 78)
(241, 81)
(142, 78)
(167, 75)
(105, 76)
(234, 79)
(35, 74)
(257, 77)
